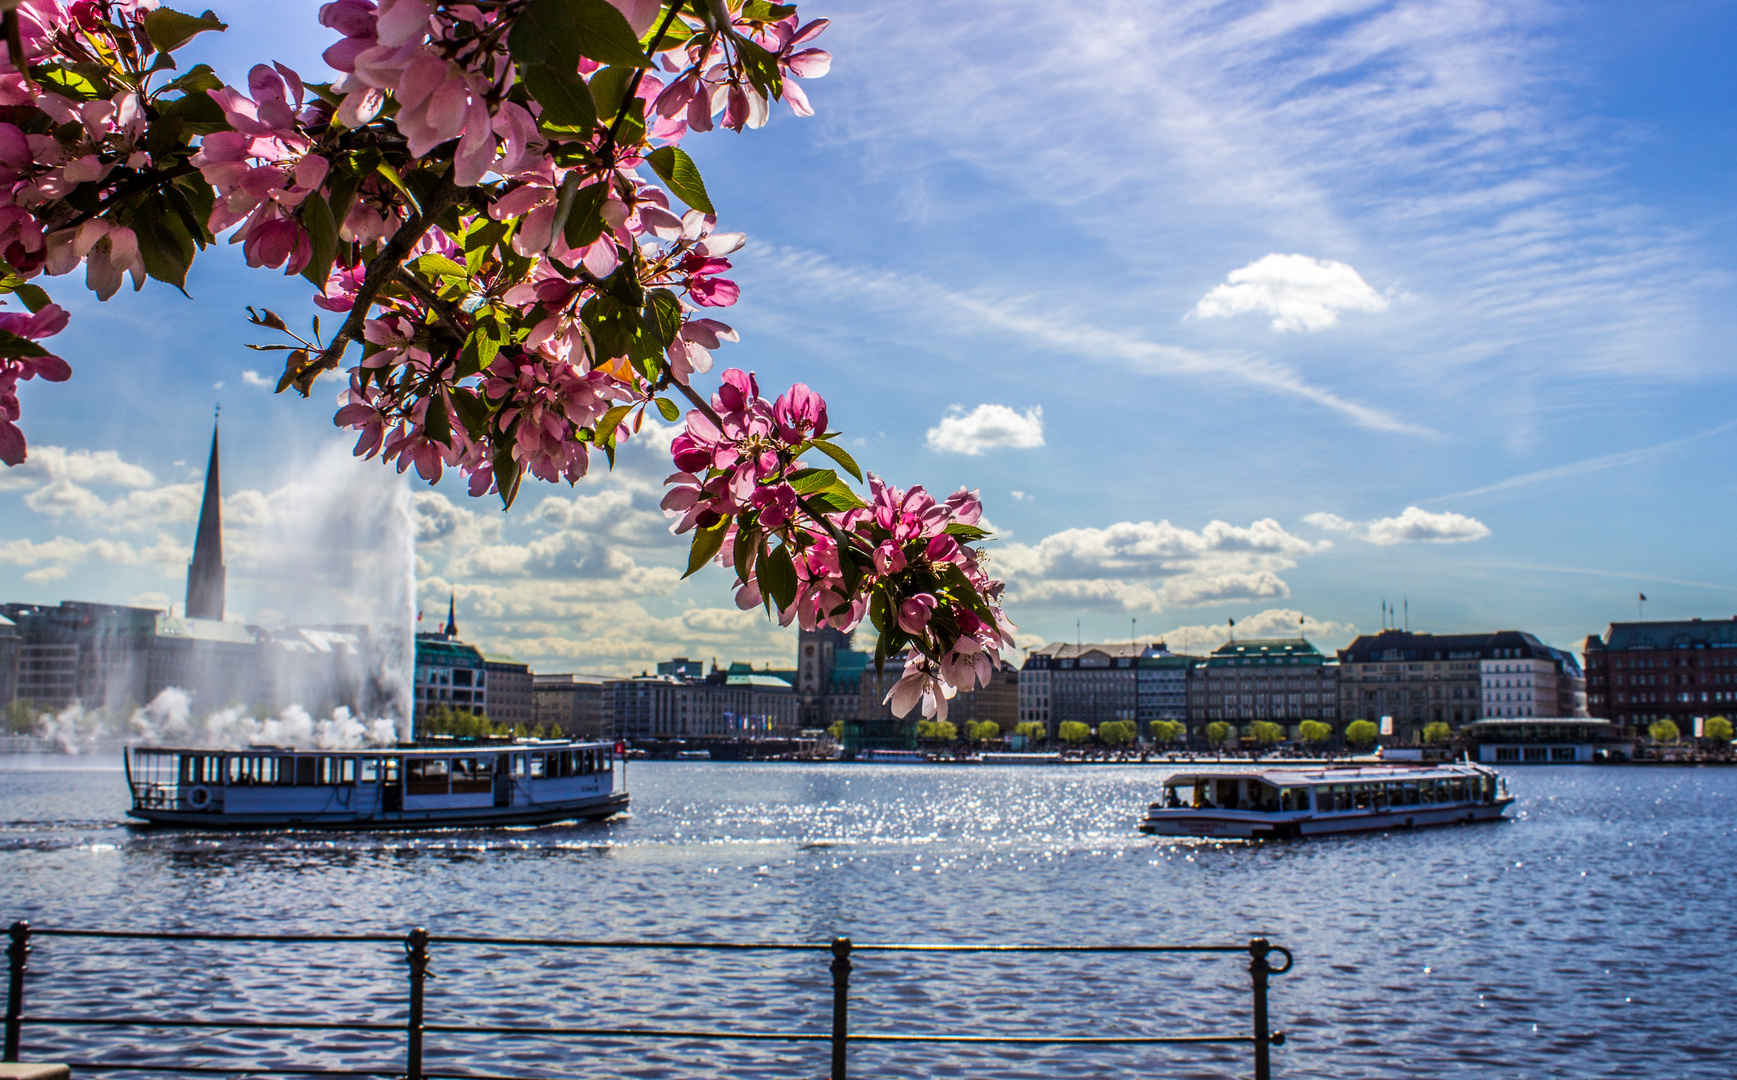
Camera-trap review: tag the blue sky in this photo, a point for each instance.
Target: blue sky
(1265, 311)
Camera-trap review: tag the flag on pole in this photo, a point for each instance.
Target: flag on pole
(1643, 597)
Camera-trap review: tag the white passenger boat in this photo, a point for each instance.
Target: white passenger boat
(528, 782)
(1283, 802)
(1003, 758)
(894, 757)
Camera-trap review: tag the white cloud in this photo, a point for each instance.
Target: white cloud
(987, 427)
(1146, 566)
(1415, 525)
(254, 378)
(1299, 292)
(99, 467)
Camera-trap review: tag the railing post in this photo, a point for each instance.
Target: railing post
(17, 953)
(840, 1003)
(416, 950)
(1258, 969)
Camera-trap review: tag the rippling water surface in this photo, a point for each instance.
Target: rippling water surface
(1587, 937)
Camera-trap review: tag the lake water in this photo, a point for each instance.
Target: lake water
(1587, 937)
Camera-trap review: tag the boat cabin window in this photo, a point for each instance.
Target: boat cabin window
(1177, 796)
(537, 766)
(472, 775)
(201, 769)
(246, 770)
(337, 770)
(1293, 798)
(368, 769)
(519, 765)
(426, 776)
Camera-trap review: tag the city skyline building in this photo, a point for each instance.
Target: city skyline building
(1683, 671)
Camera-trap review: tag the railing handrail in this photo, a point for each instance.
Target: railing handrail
(620, 943)
(418, 942)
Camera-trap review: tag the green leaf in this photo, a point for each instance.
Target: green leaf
(676, 33)
(666, 311)
(169, 29)
(436, 265)
(681, 174)
(746, 546)
(551, 31)
(665, 406)
(838, 454)
(436, 422)
(563, 94)
(199, 114)
(166, 250)
(966, 532)
(472, 410)
(585, 217)
(164, 137)
(484, 235)
(198, 79)
(506, 467)
(611, 423)
(609, 89)
(14, 345)
(880, 610)
(397, 181)
(68, 83)
(480, 349)
(343, 185)
(809, 481)
(707, 544)
(839, 498)
(778, 577)
(762, 68)
(33, 296)
(761, 11)
(316, 218)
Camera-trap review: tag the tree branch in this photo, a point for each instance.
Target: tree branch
(700, 403)
(381, 270)
(442, 310)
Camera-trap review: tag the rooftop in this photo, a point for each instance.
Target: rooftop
(1689, 634)
(1266, 651)
(168, 626)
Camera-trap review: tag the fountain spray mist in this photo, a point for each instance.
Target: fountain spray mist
(321, 623)
(335, 548)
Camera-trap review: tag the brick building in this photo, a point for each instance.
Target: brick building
(1640, 672)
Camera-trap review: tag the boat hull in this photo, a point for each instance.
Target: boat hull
(1236, 825)
(588, 809)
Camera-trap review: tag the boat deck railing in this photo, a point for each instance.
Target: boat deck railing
(418, 1027)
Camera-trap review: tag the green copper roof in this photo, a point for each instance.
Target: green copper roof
(1265, 651)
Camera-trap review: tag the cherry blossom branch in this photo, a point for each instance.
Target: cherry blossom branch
(434, 302)
(381, 269)
(700, 403)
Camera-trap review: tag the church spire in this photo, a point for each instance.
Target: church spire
(451, 615)
(205, 576)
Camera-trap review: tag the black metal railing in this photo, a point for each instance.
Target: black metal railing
(417, 950)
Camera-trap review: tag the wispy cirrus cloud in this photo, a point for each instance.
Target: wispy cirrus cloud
(1436, 135)
(1589, 465)
(1059, 331)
